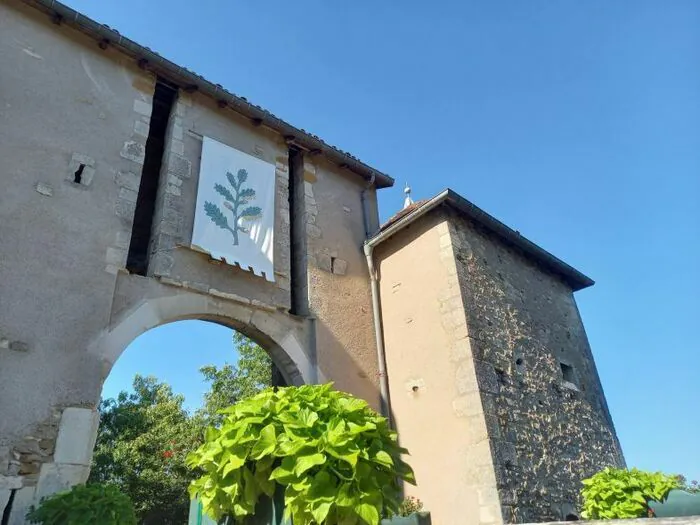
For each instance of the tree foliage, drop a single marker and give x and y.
(620, 493)
(85, 505)
(144, 436)
(338, 460)
(692, 486)
(141, 447)
(233, 383)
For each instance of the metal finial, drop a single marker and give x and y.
(408, 200)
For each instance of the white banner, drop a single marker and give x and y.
(235, 215)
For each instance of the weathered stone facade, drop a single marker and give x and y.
(489, 364)
(547, 428)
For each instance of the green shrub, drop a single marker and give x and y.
(338, 460)
(620, 493)
(85, 505)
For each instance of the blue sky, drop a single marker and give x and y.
(575, 122)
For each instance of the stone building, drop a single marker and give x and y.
(492, 382)
(101, 141)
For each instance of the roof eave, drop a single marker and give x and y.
(148, 59)
(571, 276)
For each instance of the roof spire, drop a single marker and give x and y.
(408, 200)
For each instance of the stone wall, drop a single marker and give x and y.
(64, 103)
(549, 425)
(433, 386)
(339, 288)
(686, 520)
(73, 157)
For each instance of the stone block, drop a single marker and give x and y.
(489, 514)
(141, 128)
(128, 195)
(4, 498)
(10, 482)
(115, 256)
(79, 158)
(4, 460)
(177, 131)
(313, 231)
(19, 346)
(127, 180)
(468, 405)
(465, 379)
(143, 108)
(179, 166)
(340, 266)
(173, 190)
(323, 261)
(505, 453)
(76, 436)
(134, 151)
(162, 264)
(122, 239)
(44, 189)
(177, 147)
(58, 477)
(24, 498)
(488, 379)
(488, 496)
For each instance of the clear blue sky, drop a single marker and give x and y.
(576, 122)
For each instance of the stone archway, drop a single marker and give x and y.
(285, 338)
(145, 304)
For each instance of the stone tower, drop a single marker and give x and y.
(492, 382)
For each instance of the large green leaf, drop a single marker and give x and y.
(304, 463)
(266, 443)
(368, 513)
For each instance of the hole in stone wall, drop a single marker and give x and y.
(163, 100)
(501, 375)
(568, 372)
(519, 361)
(332, 264)
(299, 293)
(571, 517)
(78, 175)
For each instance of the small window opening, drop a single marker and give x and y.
(332, 264)
(501, 375)
(78, 175)
(568, 372)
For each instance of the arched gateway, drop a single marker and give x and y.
(136, 193)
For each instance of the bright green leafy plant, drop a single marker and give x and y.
(85, 505)
(337, 459)
(621, 493)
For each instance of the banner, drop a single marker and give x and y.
(235, 215)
